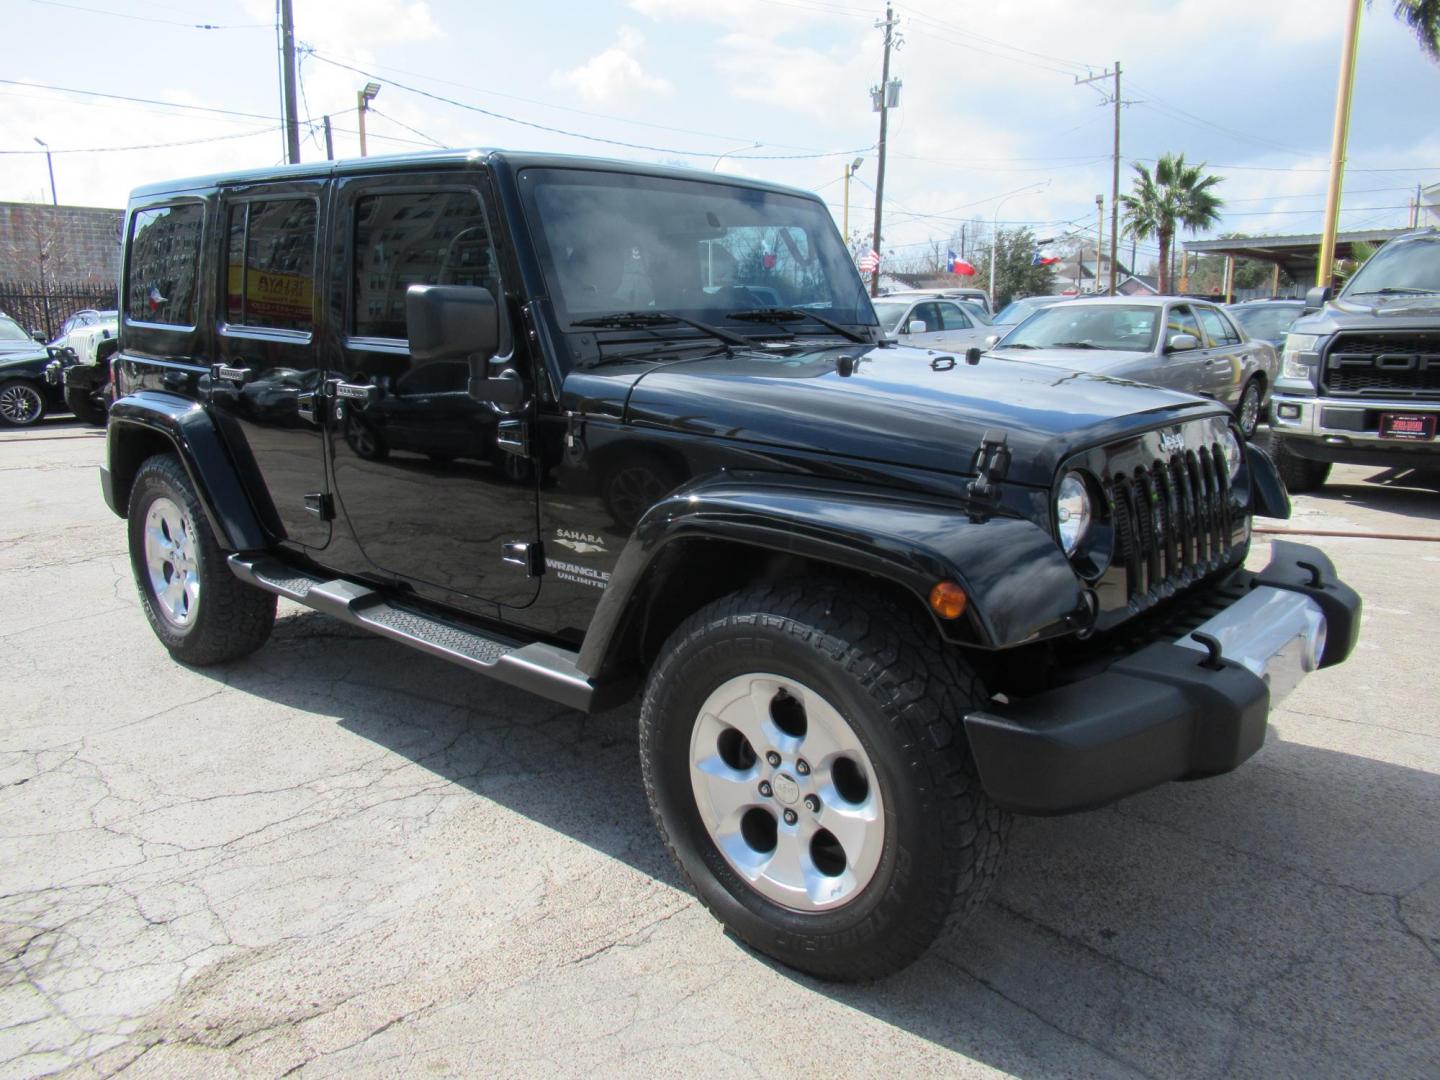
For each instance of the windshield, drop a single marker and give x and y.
(1268, 322)
(618, 242)
(1122, 327)
(1408, 266)
(890, 313)
(10, 330)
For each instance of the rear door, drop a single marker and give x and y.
(264, 387)
(423, 485)
(1225, 355)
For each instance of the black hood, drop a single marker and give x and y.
(902, 406)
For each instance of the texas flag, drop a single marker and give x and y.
(1044, 258)
(958, 265)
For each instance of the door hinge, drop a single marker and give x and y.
(321, 504)
(529, 554)
(513, 436)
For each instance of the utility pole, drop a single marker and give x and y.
(287, 78)
(1099, 240)
(882, 101)
(1344, 92)
(1414, 215)
(1114, 172)
(329, 142)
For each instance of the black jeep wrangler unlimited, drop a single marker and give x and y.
(1360, 377)
(587, 427)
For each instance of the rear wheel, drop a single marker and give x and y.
(199, 610)
(21, 403)
(82, 403)
(805, 763)
(1300, 474)
(1247, 411)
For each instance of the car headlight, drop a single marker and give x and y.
(1072, 511)
(1294, 361)
(1234, 453)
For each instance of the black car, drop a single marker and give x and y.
(25, 393)
(523, 413)
(1267, 320)
(1360, 375)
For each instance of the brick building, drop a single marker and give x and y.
(71, 244)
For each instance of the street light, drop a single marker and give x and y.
(50, 164)
(362, 105)
(850, 170)
(995, 228)
(722, 157)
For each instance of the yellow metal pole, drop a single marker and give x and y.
(1343, 95)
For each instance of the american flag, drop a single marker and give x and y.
(869, 262)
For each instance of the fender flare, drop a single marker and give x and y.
(1270, 498)
(196, 441)
(1020, 586)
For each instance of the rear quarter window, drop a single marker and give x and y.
(162, 257)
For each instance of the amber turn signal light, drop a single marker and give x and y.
(948, 600)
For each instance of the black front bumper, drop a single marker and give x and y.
(1164, 712)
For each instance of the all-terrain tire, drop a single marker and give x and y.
(1300, 474)
(903, 694)
(226, 619)
(86, 409)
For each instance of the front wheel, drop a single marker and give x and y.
(87, 409)
(21, 404)
(198, 609)
(1247, 410)
(804, 759)
(1300, 474)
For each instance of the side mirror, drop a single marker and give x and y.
(991, 340)
(39, 337)
(1182, 343)
(1317, 297)
(916, 326)
(451, 322)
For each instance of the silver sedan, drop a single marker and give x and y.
(1168, 341)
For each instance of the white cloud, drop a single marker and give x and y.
(614, 74)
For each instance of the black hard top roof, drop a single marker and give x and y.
(446, 158)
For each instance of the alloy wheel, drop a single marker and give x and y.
(20, 404)
(170, 562)
(787, 792)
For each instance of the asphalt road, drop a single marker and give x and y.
(340, 857)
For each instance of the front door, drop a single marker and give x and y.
(425, 489)
(1185, 369)
(264, 388)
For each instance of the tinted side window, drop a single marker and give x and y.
(952, 318)
(161, 262)
(1217, 329)
(415, 238)
(270, 264)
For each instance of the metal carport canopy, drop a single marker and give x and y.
(1297, 254)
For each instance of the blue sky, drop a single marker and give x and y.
(989, 105)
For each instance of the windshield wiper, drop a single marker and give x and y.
(645, 320)
(1388, 291)
(1014, 345)
(785, 314)
(1072, 345)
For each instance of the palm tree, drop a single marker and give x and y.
(1423, 17)
(1177, 196)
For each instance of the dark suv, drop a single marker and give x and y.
(1360, 376)
(523, 413)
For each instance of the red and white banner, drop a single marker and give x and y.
(869, 262)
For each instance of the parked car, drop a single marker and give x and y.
(877, 599)
(1181, 344)
(930, 322)
(979, 297)
(1017, 311)
(1266, 320)
(1360, 375)
(25, 395)
(81, 363)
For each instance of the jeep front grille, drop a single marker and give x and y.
(1402, 364)
(1172, 521)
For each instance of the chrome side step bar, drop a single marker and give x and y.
(537, 667)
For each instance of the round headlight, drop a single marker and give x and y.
(1234, 453)
(1072, 511)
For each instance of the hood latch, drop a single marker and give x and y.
(992, 462)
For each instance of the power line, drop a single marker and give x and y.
(151, 19)
(576, 134)
(151, 146)
(140, 100)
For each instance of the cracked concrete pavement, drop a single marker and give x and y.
(339, 857)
